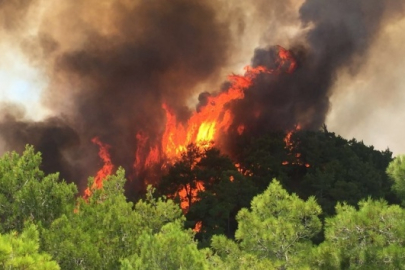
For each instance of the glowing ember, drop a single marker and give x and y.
(287, 139)
(285, 57)
(290, 147)
(105, 171)
(240, 129)
(197, 227)
(188, 195)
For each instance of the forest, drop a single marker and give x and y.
(312, 201)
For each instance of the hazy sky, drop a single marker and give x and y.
(21, 83)
(375, 96)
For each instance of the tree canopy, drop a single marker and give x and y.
(396, 171)
(26, 193)
(213, 212)
(21, 251)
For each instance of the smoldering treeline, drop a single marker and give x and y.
(112, 65)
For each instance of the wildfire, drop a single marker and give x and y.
(188, 195)
(290, 147)
(287, 138)
(202, 128)
(197, 226)
(105, 171)
(207, 124)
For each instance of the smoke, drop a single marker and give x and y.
(111, 65)
(110, 76)
(51, 137)
(378, 88)
(14, 13)
(338, 37)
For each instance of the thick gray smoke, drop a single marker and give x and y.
(340, 35)
(115, 81)
(112, 65)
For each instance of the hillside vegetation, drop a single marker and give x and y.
(317, 202)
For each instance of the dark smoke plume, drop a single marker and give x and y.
(53, 137)
(157, 51)
(341, 33)
(111, 66)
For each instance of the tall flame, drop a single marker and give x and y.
(203, 127)
(287, 138)
(105, 171)
(207, 123)
(289, 145)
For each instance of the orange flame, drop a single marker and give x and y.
(287, 138)
(197, 227)
(289, 146)
(144, 157)
(207, 124)
(240, 129)
(285, 57)
(204, 125)
(189, 195)
(105, 171)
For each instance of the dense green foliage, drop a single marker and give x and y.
(90, 237)
(372, 237)
(20, 251)
(278, 227)
(396, 170)
(27, 194)
(341, 170)
(170, 248)
(326, 186)
(338, 170)
(217, 205)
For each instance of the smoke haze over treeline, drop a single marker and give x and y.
(110, 64)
